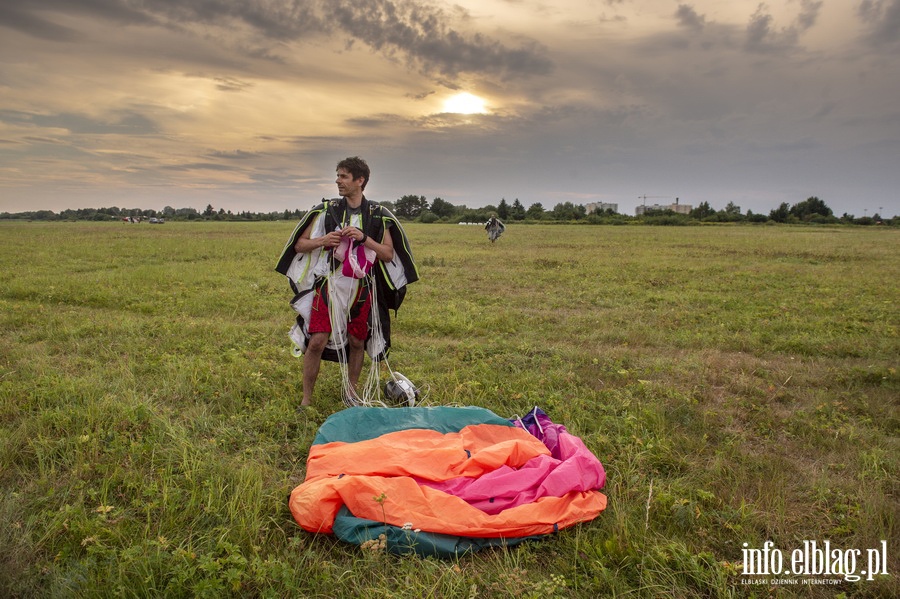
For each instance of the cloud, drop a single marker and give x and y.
(688, 17)
(421, 95)
(231, 84)
(41, 140)
(14, 17)
(809, 14)
(236, 155)
(126, 123)
(423, 37)
(763, 37)
(883, 20)
(210, 166)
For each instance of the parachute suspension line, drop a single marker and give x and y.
(536, 421)
(371, 389)
(406, 392)
(336, 312)
(371, 395)
(340, 339)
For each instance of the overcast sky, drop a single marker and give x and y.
(249, 104)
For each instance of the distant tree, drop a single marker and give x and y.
(427, 216)
(808, 208)
(780, 214)
(568, 211)
(703, 210)
(472, 215)
(535, 211)
(517, 212)
(730, 213)
(410, 206)
(188, 213)
(503, 209)
(442, 208)
(210, 211)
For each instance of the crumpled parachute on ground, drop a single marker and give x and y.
(445, 481)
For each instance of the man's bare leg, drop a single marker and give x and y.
(312, 359)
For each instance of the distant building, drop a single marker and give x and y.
(677, 208)
(600, 207)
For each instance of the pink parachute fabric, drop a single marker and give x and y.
(357, 259)
(570, 467)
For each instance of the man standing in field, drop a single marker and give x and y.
(348, 262)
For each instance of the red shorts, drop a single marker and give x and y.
(320, 322)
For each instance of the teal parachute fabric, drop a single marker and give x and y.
(355, 425)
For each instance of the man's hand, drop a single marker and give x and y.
(353, 233)
(331, 240)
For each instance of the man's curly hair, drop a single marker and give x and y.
(357, 167)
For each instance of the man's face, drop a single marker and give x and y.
(347, 185)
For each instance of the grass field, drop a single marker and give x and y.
(739, 384)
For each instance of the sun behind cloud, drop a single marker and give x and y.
(465, 103)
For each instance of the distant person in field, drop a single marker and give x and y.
(494, 228)
(348, 261)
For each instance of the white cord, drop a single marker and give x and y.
(371, 388)
(538, 424)
(338, 332)
(339, 325)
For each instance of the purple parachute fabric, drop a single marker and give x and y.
(570, 467)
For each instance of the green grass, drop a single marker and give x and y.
(739, 384)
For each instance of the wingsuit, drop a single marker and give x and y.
(494, 228)
(309, 271)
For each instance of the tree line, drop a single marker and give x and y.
(139, 214)
(419, 209)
